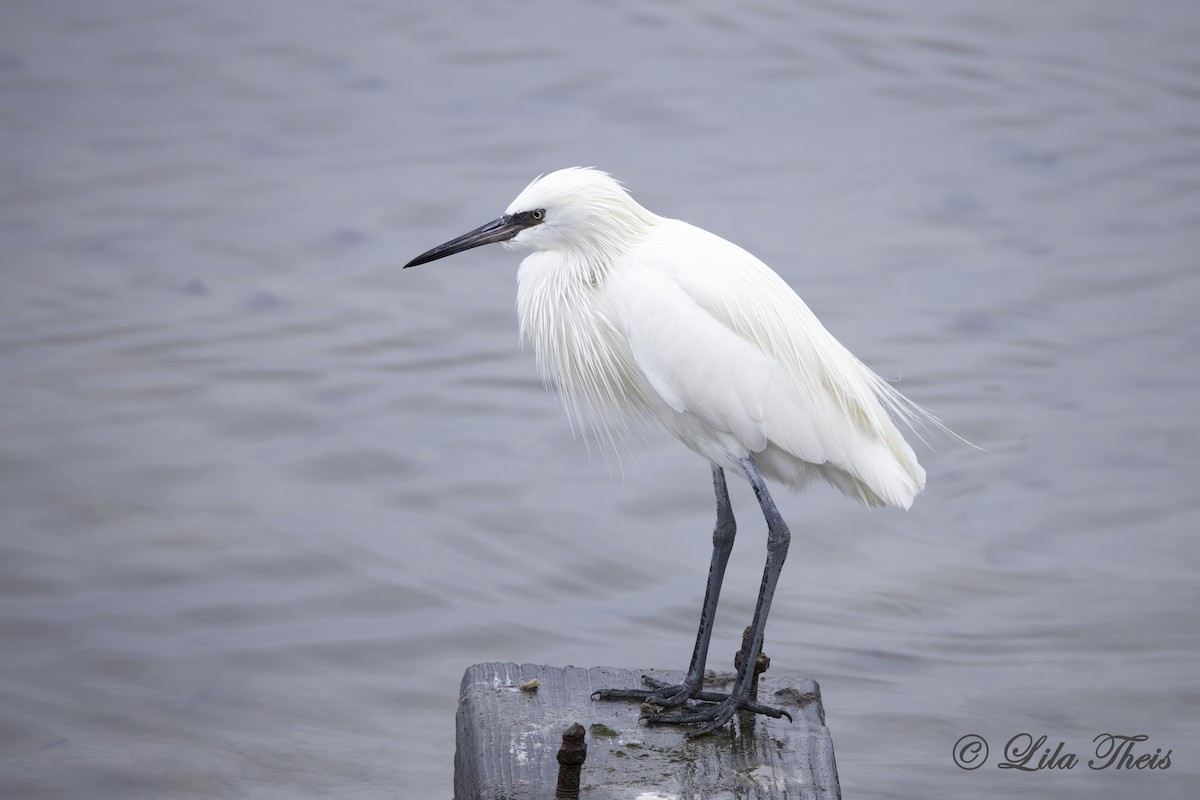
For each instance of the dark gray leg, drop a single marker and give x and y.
(778, 538)
(723, 534)
(667, 695)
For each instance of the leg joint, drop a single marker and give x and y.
(724, 531)
(778, 537)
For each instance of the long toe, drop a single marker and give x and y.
(669, 696)
(622, 694)
(666, 697)
(712, 717)
(715, 715)
(660, 693)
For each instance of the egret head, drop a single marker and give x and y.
(577, 209)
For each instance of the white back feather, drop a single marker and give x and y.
(633, 314)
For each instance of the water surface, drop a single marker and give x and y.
(264, 496)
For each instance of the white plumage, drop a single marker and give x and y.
(631, 312)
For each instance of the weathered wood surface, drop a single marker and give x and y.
(508, 740)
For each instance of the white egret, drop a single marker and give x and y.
(634, 313)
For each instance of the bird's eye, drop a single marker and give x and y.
(538, 215)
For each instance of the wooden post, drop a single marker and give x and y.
(509, 738)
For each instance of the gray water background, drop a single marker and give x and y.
(264, 496)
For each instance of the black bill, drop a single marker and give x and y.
(498, 230)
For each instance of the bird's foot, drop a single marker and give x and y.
(714, 715)
(713, 709)
(660, 693)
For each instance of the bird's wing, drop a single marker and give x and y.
(721, 336)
